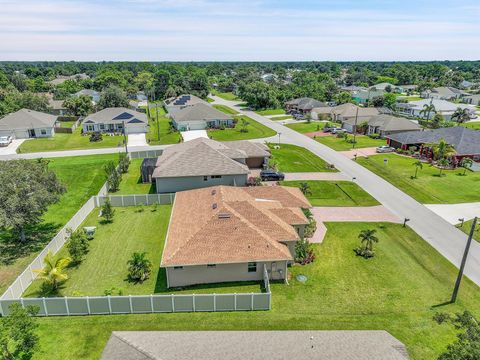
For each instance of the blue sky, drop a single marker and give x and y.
(257, 30)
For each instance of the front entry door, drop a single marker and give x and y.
(31, 133)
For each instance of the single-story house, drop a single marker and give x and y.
(385, 86)
(409, 88)
(114, 120)
(465, 141)
(444, 93)
(353, 88)
(200, 116)
(204, 162)
(364, 96)
(175, 104)
(465, 84)
(25, 123)
(95, 95)
(303, 105)
(254, 345)
(384, 124)
(443, 107)
(348, 114)
(472, 99)
(62, 78)
(56, 107)
(225, 233)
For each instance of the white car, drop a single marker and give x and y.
(385, 149)
(338, 131)
(5, 140)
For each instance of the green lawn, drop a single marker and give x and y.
(168, 135)
(73, 141)
(467, 225)
(428, 188)
(305, 127)
(335, 193)
(410, 98)
(339, 144)
(83, 176)
(225, 109)
(132, 181)
(472, 125)
(271, 112)
(255, 130)
(276, 118)
(292, 158)
(134, 229)
(67, 124)
(225, 95)
(396, 291)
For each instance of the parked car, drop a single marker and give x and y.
(385, 149)
(328, 129)
(272, 175)
(338, 131)
(5, 140)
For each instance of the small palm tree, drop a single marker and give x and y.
(461, 115)
(244, 124)
(139, 267)
(443, 163)
(368, 238)
(305, 188)
(53, 272)
(418, 165)
(466, 163)
(427, 110)
(442, 150)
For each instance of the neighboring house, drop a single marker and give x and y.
(112, 120)
(25, 123)
(465, 141)
(444, 93)
(348, 114)
(62, 78)
(56, 107)
(409, 88)
(254, 345)
(268, 77)
(200, 116)
(365, 96)
(472, 99)
(385, 85)
(140, 96)
(138, 105)
(95, 95)
(225, 234)
(443, 107)
(178, 103)
(353, 89)
(384, 125)
(466, 84)
(204, 162)
(303, 105)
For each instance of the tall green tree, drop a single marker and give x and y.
(461, 115)
(442, 150)
(466, 164)
(27, 189)
(79, 106)
(418, 165)
(112, 96)
(427, 110)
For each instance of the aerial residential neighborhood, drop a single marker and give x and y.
(209, 180)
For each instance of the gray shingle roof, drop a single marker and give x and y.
(465, 141)
(199, 112)
(306, 103)
(27, 119)
(254, 345)
(392, 123)
(116, 116)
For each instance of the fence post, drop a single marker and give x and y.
(251, 294)
(173, 303)
(109, 305)
(214, 302)
(130, 302)
(235, 301)
(171, 198)
(66, 305)
(21, 302)
(123, 204)
(1, 308)
(151, 303)
(88, 305)
(31, 271)
(193, 302)
(134, 199)
(21, 283)
(45, 306)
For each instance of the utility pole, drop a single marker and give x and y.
(125, 136)
(464, 260)
(158, 124)
(355, 129)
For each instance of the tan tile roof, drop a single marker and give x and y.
(224, 224)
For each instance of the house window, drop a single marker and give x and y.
(211, 265)
(252, 267)
(89, 127)
(205, 178)
(102, 127)
(216, 176)
(178, 268)
(43, 132)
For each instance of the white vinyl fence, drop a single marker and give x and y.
(136, 200)
(145, 154)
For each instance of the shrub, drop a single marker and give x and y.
(374, 136)
(95, 137)
(113, 176)
(254, 181)
(123, 162)
(303, 252)
(78, 245)
(139, 267)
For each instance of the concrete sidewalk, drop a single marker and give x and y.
(453, 212)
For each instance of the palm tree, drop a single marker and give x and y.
(427, 110)
(442, 149)
(53, 273)
(368, 237)
(461, 115)
(305, 188)
(466, 163)
(418, 165)
(244, 124)
(442, 163)
(139, 267)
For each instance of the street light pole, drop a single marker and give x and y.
(464, 261)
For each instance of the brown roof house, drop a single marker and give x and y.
(223, 234)
(204, 162)
(25, 123)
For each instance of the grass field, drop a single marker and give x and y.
(285, 117)
(132, 181)
(472, 125)
(428, 188)
(225, 109)
(467, 225)
(305, 127)
(271, 112)
(396, 291)
(83, 176)
(292, 158)
(225, 95)
(167, 135)
(410, 98)
(73, 141)
(339, 144)
(335, 193)
(134, 229)
(67, 124)
(255, 130)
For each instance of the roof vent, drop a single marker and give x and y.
(214, 205)
(214, 192)
(224, 216)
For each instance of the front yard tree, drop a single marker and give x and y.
(18, 339)
(108, 211)
(466, 164)
(113, 96)
(442, 150)
(139, 267)
(305, 188)
(27, 189)
(461, 115)
(244, 125)
(367, 238)
(442, 164)
(53, 272)
(418, 165)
